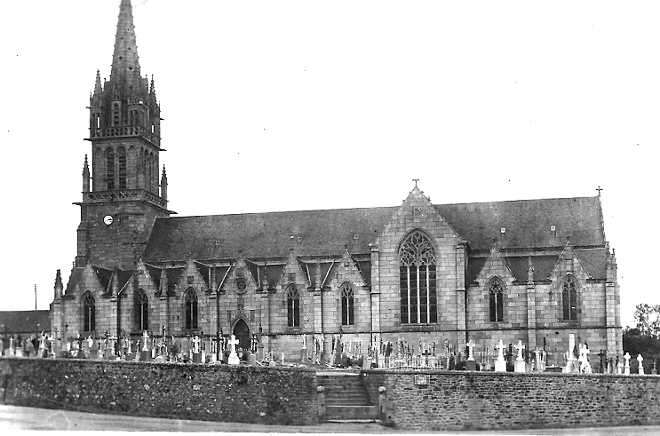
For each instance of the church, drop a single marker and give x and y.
(530, 270)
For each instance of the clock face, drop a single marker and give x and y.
(108, 220)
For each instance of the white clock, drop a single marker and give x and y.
(108, 219)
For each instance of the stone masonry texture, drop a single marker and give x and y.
(488, 401)
(165, 390)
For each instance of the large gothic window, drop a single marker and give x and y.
(347, 304)
(569, 299)
(89, 312)
(121, 157)
(496, 296)
(190, 303)
(417, 280)
(292, 306)
(141, 306)
(110, 168)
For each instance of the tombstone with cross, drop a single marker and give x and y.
(233, 357)
(500, 363)
(640, 359)
(519, 364)
(626, 366)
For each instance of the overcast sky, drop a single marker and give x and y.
(289, 105)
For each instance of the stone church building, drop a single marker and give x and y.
(530, 270)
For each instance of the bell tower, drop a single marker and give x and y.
(121, 195)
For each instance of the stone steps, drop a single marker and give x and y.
(346, 398)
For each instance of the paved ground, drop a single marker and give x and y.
(32, 419)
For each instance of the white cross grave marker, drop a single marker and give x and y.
(626, 366)
(233, 357)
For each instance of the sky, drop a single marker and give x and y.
(293, 105)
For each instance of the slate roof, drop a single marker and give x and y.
(326, 232)
(17, 322)
(527, 222)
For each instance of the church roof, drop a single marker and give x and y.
(16, 322)
(527, 224)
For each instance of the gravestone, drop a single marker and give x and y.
(196, 351)
(470, 364)
(500, 363)
(519, 364)
(626, 366)
(233, 357)
(640, 359)
(145, 354)
(571, 363)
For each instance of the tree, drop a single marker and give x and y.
(644, 338)
(647, 317)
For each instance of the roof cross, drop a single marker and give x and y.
(415, 180)
(599, 189)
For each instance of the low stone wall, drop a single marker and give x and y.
(488, 400)
(168, 390)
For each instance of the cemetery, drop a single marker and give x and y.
(409, 386)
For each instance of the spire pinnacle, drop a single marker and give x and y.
(125, 61)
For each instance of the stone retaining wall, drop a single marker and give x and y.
(488, 400)
(166, 390)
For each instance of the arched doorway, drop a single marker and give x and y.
(242, 333)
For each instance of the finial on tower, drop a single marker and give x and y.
(599, 189)
(415, 180)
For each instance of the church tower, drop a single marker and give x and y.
(121, 195)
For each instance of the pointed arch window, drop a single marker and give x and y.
(496, 297)
(569, 299)
(190, 303)
(121, 157)
(292, 306)
(417, 272)
(141, 306)
(347, 304)
(110, 168)
(89, 312)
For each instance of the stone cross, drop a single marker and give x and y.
(626, 366)
(145, 341)
(520, 347)
(196, 342)
(641, 367)
(470, 346)
(233, 357)
(500, 351)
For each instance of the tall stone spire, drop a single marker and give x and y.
(125, 60)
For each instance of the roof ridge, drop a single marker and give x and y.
(273, 212)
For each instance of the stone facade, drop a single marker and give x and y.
(288, 278)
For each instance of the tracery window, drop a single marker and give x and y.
(569, 299)
(190, 304)
(121, 157)
(110, 168)
(141, 306)
(292, 306)
(418, 280)
(496, 295)
(89, 312)
(347, 304)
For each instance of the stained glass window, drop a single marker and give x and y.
(418, 280)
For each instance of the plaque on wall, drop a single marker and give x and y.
(422, 379)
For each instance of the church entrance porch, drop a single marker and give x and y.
(242, 332)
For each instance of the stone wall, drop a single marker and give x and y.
(474, 400)
(200, 392)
